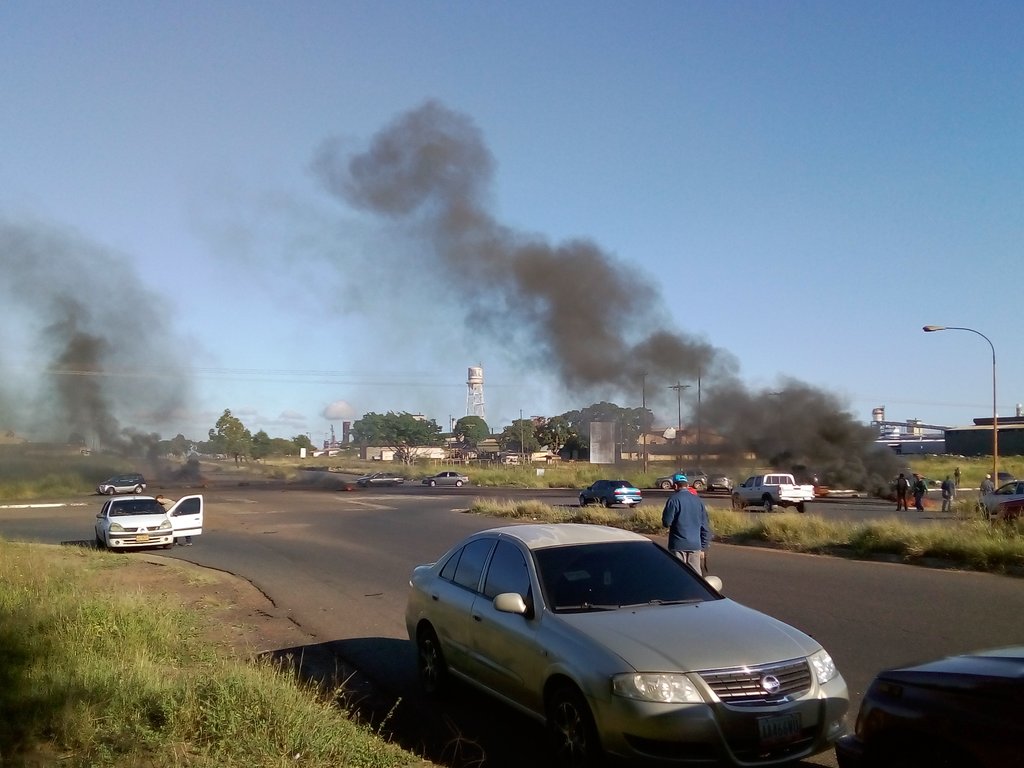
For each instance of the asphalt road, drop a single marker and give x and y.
(338, 563)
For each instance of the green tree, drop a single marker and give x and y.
(554, 433)
(303, 441)
(400, 432)
(231, 437)
(261, 445)
(281, 446)
(470, 430)
(179, 445)
(519, 437)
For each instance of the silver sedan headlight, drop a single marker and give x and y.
(116, 528)
(659, 687)
(824, 667)
(165, 525)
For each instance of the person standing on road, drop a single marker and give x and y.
(689, 529)
(948, 492)
(987, 486)
(902, 487)
(956, 479)
(920, 489)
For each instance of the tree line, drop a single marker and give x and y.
(403, 432)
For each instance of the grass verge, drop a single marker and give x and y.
(98, 677)
(966, 542)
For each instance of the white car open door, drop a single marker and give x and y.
(187, 516)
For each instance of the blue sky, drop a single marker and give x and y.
(802, 185)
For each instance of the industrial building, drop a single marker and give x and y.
(913, 437)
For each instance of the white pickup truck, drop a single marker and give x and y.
(770, 491)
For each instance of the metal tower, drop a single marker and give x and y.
(475, 392)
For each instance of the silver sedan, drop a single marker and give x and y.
(447, 478)
(621, 649)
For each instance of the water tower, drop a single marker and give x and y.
(475, 392)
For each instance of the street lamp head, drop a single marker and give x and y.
(932, 328)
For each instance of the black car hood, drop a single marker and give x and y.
(997, 673)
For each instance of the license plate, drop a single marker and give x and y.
(142, 537)
(780, 729)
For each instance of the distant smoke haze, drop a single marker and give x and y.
(571, 307)
(93, 347)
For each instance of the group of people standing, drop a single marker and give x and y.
(905, 486)
(918, 488)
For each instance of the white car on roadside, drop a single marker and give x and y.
(1008, 495)
(141, 521)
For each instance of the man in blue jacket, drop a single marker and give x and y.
(689, 529)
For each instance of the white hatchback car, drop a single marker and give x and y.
(622, 649)
(141, 521)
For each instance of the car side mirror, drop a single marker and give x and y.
(510, 602)
(714, 582)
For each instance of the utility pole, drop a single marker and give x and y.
(698, 420)
(643, 416)
(522, 437)
(679, 408)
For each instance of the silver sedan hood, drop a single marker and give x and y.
(687, 638)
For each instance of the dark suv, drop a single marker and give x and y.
(130, 483)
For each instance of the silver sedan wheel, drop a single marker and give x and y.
(430, 664)
(571, 728)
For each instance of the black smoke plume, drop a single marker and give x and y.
(87, 346)
(593, 320)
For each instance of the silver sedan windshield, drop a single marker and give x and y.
(613, 575)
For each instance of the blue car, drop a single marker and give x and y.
(611, 492)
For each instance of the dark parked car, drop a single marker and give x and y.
(130, 483)
(957, 712)
(611, 492)
(380, 478)
(697, 478)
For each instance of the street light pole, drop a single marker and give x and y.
(995, 417)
